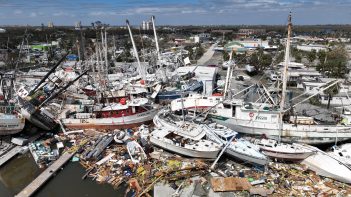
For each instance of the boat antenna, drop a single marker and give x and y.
(156, 41)
(140, 68)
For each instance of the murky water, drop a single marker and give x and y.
(20, 171)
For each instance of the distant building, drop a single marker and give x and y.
(78, 25)
(146, 25)
(253, 43)
(311, 47)
(2, 30)
(235, 46)
(50, 25)
(202, 37)
(252, 31)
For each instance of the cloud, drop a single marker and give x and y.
(61, 13)
(175, 11)
(33, 14)
(17, 12)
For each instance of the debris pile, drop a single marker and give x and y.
(164, 170)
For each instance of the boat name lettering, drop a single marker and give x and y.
(261, 118)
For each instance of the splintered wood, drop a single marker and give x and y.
(220, 184)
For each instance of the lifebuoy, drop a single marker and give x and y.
(251, 114)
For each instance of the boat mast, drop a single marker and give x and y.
(285, 72)
(227, 79)
(156, 41)
(286, 65)
(140, 69)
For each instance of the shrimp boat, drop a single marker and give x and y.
(239, 148)
(328, 166)
(283, 151)
(11, 122)
(182, 137)
(272, 119)
(32, 100)
(122, 115)
(136, 152)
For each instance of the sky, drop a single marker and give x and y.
(175, 12)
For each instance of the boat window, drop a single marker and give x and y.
(341, 154)
(226, 105)
(233, 111)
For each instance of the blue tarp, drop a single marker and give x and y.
(72, 57)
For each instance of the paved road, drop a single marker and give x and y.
(207, 55)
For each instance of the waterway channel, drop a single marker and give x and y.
(21, 170)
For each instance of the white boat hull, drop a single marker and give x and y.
(110, 123)
(308, 134)
(327, 166)
(286, 156)
(184, 151)
(244, 157)
(10, 124)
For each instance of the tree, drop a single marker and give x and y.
(335, 64)
(266, 61)
(260, 60)
(225, 56)
(254, 60)
(298, 57)
(311, 56)
(280, 57)
(321, 54)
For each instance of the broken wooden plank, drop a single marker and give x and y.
(220, 184)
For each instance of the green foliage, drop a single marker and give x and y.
(225, 56)
(315, 101)
(311, 56)
(321, 55)
(335, 64)
(333, 90)
(260, 60)
(298, 57)
(280, 57)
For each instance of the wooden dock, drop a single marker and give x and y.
(13, 152)
(46, 175)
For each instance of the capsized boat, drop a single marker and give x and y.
(33, 99)
(182, 137)
(342, 153)
(283, 151)
(136, 152)
(239, 148)
(325, 165)
(175, 142)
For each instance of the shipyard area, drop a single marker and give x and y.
(157, 110)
